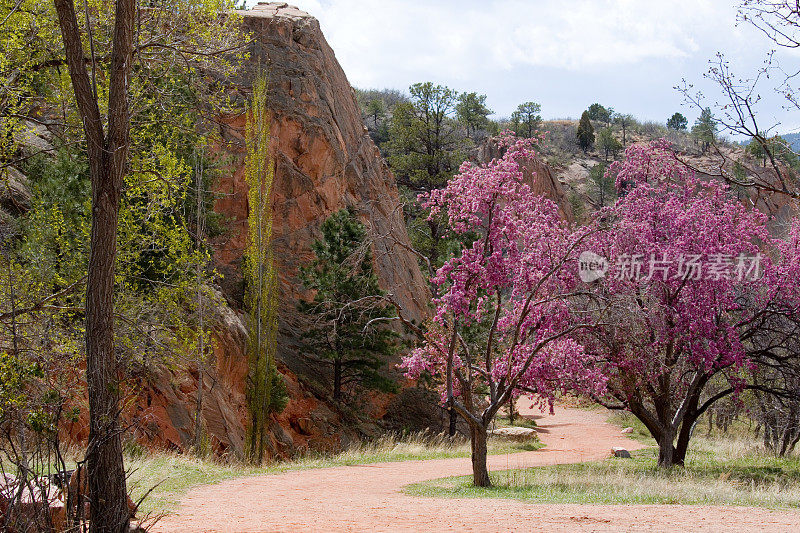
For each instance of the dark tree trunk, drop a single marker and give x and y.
(337, 380)
(433, 252)
(480, 472)
(666, 450)
(453, 421)
(685, 434)
(107, 156)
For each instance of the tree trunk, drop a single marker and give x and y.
(107, 156)
(109, 509)
(480, 472)
(453, 421)
(337, 379)
(666, 450)
(433, 252)
(682, 446)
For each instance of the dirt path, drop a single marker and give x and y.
(369, 497)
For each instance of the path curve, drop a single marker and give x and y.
(370, 498)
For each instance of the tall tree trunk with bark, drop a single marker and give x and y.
(453, 426)
(480, 471)
(107, 155)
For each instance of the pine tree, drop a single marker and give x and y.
(608, 143)
(601, 185)
(348, 314)
(526, 119)
(677, 122)
(600, 113)
(705, 129)
(585, 132)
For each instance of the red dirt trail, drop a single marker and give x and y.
(370, 498)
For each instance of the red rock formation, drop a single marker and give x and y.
(324, 161)
(538, 175)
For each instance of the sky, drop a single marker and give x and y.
(565, 55)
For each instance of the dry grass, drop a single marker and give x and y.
(730, 470)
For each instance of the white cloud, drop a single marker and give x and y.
(450, 38)
(564, 54)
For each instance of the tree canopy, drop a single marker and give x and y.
(585, 132)
(677, 122)
(348, 314)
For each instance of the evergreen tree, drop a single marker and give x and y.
(426, 147)
(376, 110)
(677, 122)
(608, 143)
(601, 185)
(776, 148)
(705, 129)
(526, 119)
(585, 132)
(348, 314)
(472, 112)
(600, 113)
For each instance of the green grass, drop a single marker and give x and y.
(173, 475)
(719, 471)
(502, 421)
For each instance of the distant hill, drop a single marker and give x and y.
(793, 139)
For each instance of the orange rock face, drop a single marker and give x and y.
(537, 173)
(324, 161)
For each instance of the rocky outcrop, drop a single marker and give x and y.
(537, 174)
(324, 161)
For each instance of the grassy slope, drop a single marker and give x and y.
(719, 471)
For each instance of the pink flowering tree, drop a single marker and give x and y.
(504, 314)
(694, 278)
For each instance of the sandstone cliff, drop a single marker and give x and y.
(537, 174)
(324, 161)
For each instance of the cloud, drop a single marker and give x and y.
(456, 39)
(564, 54)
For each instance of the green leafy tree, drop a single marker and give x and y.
(526, 119)
(472, 112)
(426, 147)
(585, 132)
(775, 147)
(105, 70)
(376, 110)
(705, 129)
(601, 185)
(348, 313)
(625, 122)
(608, 143)
(265, 391)
(677, 122)
(600, 113)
